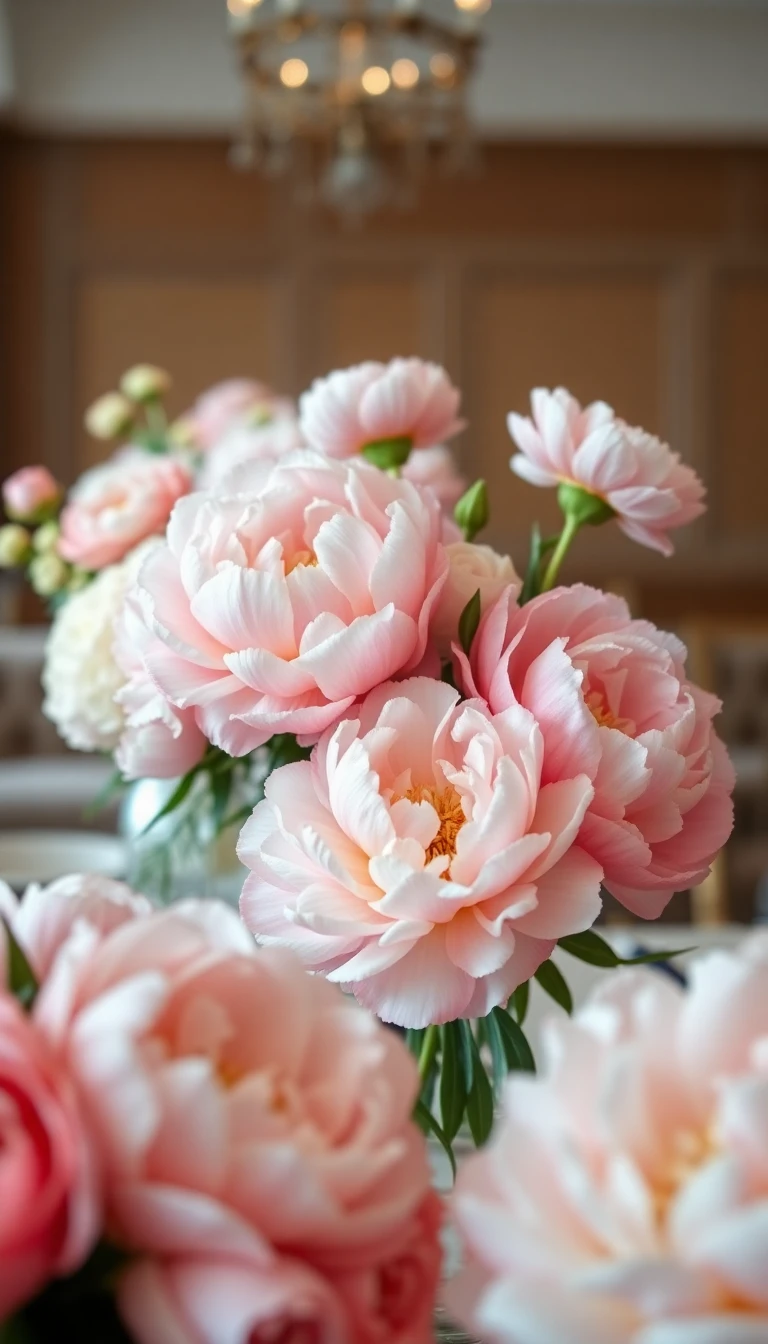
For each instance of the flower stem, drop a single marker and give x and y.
(572, 525)
(428, 1051)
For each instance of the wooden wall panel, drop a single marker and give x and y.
(741, 464)
(599, 334)
(201, 330)
(371, 316)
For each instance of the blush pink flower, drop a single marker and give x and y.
(473, 568)
(49, 1208)
(404, 399)
(29, 493)
(157, 741)
(227, 465)
(624, 1196)
(116, 505)
(233, 402)
(638, 475)
(273, 612)
(419, 859)
(253, 1127)
(612, 701)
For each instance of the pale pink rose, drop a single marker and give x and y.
(227, 465)
(29, 492)
(246, 1112)
(435, 469)
(116, 505)
(49, 1209)
(157, 741)
(624, 1196)
(204, 1301)
(406, 398)
(612, 700)
(232, 402)
(419, 859)
(638, 475)
(43, 919)
(272, 612)
(473, 568)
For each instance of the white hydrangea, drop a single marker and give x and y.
(80, 675)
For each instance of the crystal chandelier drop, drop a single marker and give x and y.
(353, 101)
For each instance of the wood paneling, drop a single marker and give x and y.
(636, 274)
(204, 330)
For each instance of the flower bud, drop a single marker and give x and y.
(109, 416)
(48, 574)
(472, 512)
(46, 538)
(31, 494)
(582, 506)
(14, 546)
(145, 382)
(389, 454)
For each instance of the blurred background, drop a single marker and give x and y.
(611, 235)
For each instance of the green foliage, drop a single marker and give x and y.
(540, 548)
(590, 947)
(472, 511)
(21, 978)
(469, 621)
(553, 983)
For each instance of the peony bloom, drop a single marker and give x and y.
(233, 402)
(43, 919)
(624, 1197)
(157, 741)
(227, 465)
(272, 612)
(419, 859)
(49, 1214)
(612, 701)
(116, 505)
(642, 480)
(473, 568)
(80, 675)
(435, 469)
(29, 493)
(254, 1131)
(405, 399)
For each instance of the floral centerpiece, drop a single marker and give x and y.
(439, 766)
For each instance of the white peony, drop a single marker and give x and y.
(80, 674)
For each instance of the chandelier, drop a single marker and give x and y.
(353, 102)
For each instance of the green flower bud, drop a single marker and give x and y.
(472, 511)
(389, 454)
(14, 546)
(48, 574)
(145, 382)
(46, 538)
(109, 416)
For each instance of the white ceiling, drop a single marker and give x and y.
(607, 68)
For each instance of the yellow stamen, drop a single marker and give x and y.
(447, 805)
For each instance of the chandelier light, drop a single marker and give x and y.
(353, 102)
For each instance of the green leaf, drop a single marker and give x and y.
(428, 1125)
(468, 1052)
(653, 958)
(21, 978)
(389, 454)
(590, 947)
(480, 1103)
(176, 799)
(516, 1047)
(539, 549)
(221, 789)
(453, 1092)
(519, 1002)
(498, 1053)
(553, 983)
(469, 621)
(472, 511)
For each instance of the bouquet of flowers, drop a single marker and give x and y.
(448, 763)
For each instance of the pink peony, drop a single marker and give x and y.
(407, 398)
(116, 505)
(157, 741)
(642, 480)
(29, 493)
(473, 568)
(624, 1197)
(228, 462)
(419, 859)
(49, 1214)
(230, 403)
(254, 1130)
(612, 701)
(273, 612)
(435, 469)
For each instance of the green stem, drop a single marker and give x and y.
(572, 525)
(428, 1051)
